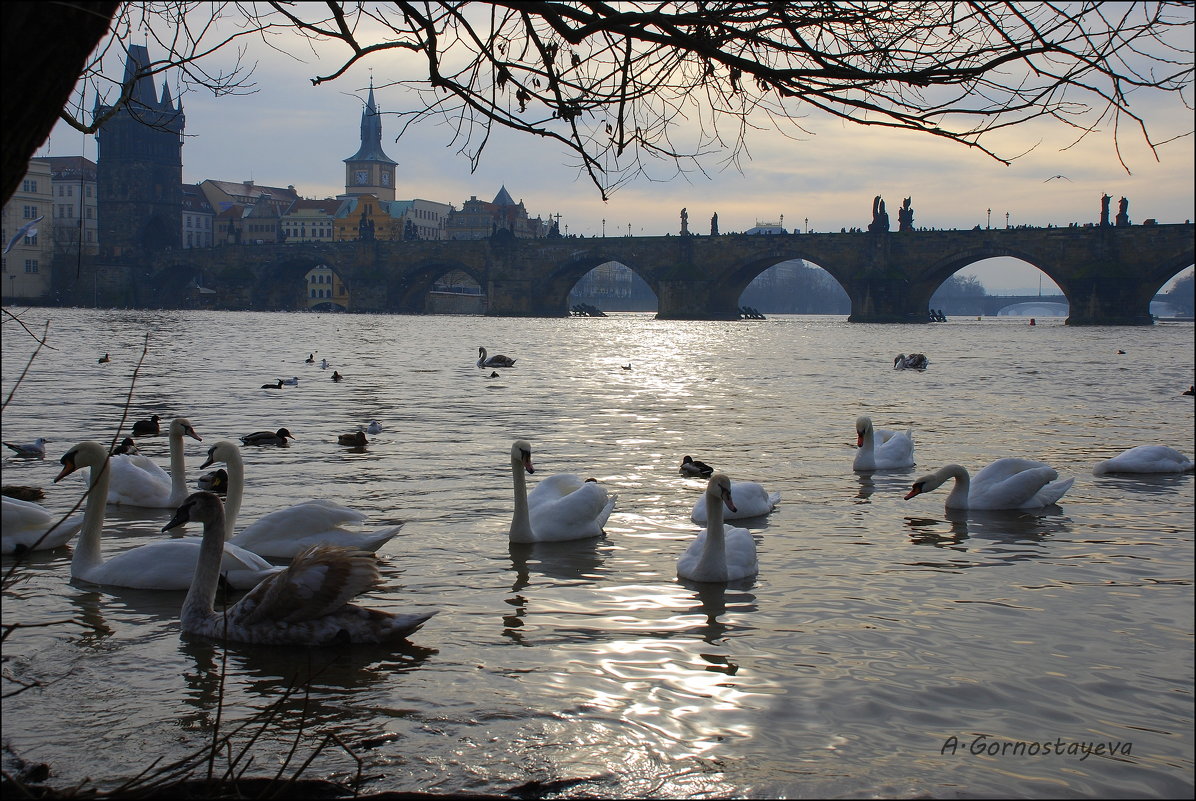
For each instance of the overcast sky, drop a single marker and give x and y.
(292, 133)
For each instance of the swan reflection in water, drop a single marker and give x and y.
(1001, 535)
(294, 680)
(562, 563)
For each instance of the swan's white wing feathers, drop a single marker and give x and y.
(137, 480)
(24, 523)
(1146, 459)
(750, 498)
(1014, 483)
(170, 565)
(575, 515)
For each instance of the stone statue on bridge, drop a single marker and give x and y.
(1123, 212)
(1104, 211)
(905, 216)
(684, 222)
(714, 224)
(880, 217)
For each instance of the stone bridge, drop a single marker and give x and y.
(1109, 274)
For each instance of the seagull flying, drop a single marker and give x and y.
(28, 229)
(1053, 177)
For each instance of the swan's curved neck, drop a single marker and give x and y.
(201, 595)
(958, 498)
(87, 549)
(521, 524)
(714, 554)
(178, 469)
(868, 444)
(235, 467)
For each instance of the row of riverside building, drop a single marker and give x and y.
(132, 200)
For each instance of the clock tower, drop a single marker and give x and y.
(369, 171)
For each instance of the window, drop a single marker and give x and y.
(90, 212)
(30, 212)
(89, 191)
(30, 265)
(32, 241)
(29, 185)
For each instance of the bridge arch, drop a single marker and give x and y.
(613, 286)
(566, 275)
(409, 293)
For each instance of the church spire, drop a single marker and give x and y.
(371, 133)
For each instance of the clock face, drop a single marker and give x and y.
(361, 176)
(386, 179)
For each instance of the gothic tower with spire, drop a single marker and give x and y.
(369, 171)
(139, 167)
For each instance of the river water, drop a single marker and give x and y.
(885, 649)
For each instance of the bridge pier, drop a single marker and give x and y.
(1109, 301)
(885, 300)
(694, 300)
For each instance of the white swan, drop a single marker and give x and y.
(721, 552)
(751, 500)
(305, 604)
(137, 480)
(26, 527)
(1010, 483)
(880, 448)
(1146, 459)
(284, 533)
(497, 360)
(164, 565)
(561, 507)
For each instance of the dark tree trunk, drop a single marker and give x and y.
(46, 46)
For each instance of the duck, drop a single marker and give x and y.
(1146, 459)
(493, 374)
(494, 361)
(356, 439)
(29, 526)
(751, 500)
(293, 381)
(336, 376)
(311, 359)
(29, 450)
(215, 481)
(374, 427)
(137, 480)
(278, 437)
(1191, 390)
(283, 533)
(880, 448)
(626, 366)
(1008, 483)
(147, 428)
(273, 386)
(561, 507)
(163, 565)
(22, 492)
(306, 603)
(721, 553)
(692, 467)
(104, 359)
(126, 447)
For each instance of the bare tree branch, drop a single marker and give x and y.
(626, 87)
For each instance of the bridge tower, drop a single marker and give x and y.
(370, 171)
(139, 167)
